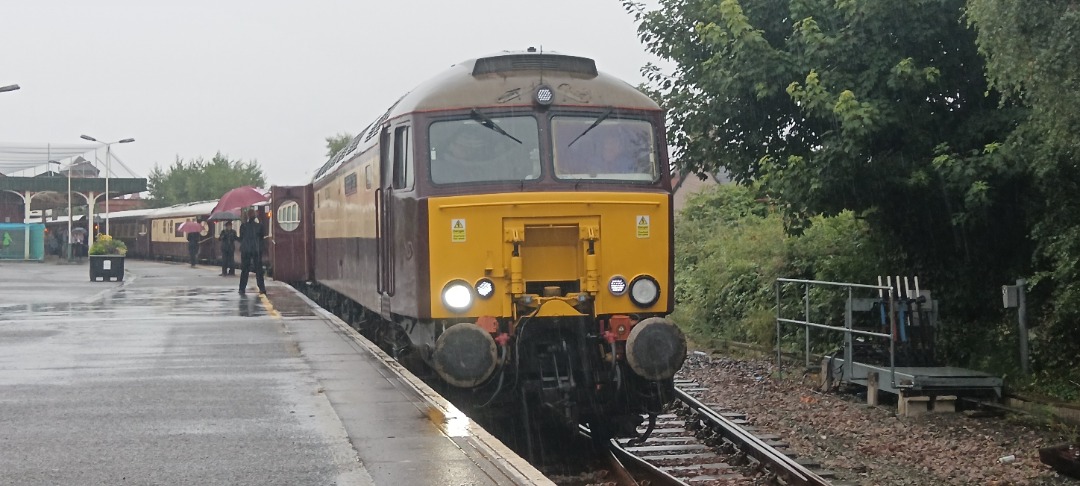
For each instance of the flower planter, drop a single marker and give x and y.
(106, 268)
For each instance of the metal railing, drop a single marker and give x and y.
(847, 329)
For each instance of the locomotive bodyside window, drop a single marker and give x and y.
(402, 159)
(615, 149)
(506, 149)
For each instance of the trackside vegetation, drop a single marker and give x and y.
(937, 138)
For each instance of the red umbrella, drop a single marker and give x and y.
(241, 197)
(190, 227)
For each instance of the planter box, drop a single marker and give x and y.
(106, 268)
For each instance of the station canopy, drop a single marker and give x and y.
(45, 167)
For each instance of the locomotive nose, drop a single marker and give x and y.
(656, 349)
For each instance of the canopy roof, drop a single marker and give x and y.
(15, 157)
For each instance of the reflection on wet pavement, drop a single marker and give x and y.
(134, 302)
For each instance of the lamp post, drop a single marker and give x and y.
(10, 87)
(108, 173)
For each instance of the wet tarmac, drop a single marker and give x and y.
(172, 377)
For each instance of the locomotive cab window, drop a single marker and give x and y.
(491, 149)
(614, 149)
(402, 177)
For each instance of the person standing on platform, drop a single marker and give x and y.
(193, 247)
(77, 244)
(251, 236)
(228, 240)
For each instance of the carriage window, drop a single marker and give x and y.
(468, 151)
(402, 159)
(616, 149)
(350, 184)
(288, 215)
(367, 177)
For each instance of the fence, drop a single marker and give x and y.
(886, 296)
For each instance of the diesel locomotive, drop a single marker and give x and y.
(509, 222)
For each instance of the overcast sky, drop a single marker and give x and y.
(264, 80)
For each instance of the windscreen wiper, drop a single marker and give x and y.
(489, 123)
(603, 116)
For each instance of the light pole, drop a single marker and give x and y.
(10, 87)
(108, 173)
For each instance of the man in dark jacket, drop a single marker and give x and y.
(193, 247)
(228, 246)
(251, 236)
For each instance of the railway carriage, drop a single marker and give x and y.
(510, 223)
(164, 241)
(132, 227)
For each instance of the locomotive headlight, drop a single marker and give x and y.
(617, 285)
(485, 288)
(644, 291)
(544, 95)
(457, 296)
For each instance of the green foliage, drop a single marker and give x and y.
(107, 245)
(1033, 59)
(335, 143)
(727, 254)
(880, 109)
(201, 180)
(730, 249)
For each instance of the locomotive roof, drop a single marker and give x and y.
(509, 78)
(505, 79)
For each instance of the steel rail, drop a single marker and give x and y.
(660, 477)
(616, 455)
(783, 466)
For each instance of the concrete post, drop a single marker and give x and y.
(1021, 312)
(872, 389)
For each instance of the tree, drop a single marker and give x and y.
(876, 107)
(201, 180)
(1033, 60)
(335, 143)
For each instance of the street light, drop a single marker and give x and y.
(108, 173)
(10, 87)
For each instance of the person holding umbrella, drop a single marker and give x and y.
(251, 236)
(193, 247)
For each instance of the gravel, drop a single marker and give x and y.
(872, 445)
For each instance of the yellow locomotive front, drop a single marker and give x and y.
(549, 246)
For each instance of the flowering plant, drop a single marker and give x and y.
(106, 245)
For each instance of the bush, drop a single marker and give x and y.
(106, 245)
(731, 248)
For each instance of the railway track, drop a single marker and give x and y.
(698, 445)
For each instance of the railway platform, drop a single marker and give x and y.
(171, 377)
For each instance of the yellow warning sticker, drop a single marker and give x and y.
(457, 230)
(642, 226)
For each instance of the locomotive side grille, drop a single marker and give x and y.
(535, 62)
